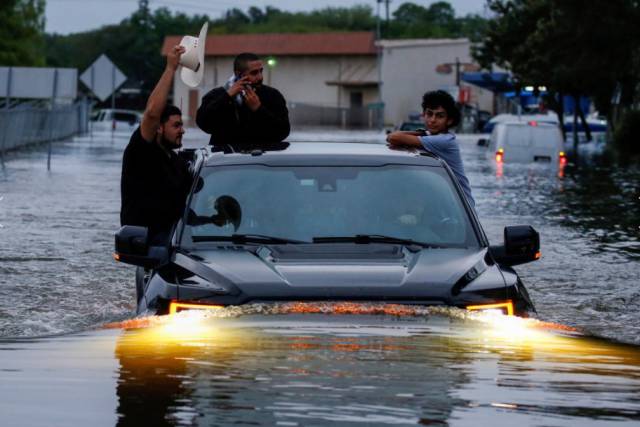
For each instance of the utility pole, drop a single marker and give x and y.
(378, 19)
(379, 58)
(386, 4)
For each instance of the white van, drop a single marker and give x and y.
(524, 142)
(115, 120)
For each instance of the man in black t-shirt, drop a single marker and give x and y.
(245, 112)
(155, 181)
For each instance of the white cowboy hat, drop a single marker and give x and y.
(192, 60)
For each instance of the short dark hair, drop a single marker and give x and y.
(169, 110)
(240, 61)
(440, 98)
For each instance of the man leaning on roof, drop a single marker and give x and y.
(244, 112)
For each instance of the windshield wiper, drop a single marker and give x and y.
(247, 238)
(373, 238)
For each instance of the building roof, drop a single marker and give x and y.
(390, 44)
(344, 43)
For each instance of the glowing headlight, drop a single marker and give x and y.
(502, 307)
(176, 306)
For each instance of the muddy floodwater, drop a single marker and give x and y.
(71, 356)
(317, 369)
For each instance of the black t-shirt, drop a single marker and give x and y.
(154, 185)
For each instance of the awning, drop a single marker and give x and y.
(495, 82)
(352, 83)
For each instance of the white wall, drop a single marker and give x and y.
(300, 79)
(409, 70)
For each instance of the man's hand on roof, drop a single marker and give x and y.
(173, 57)
(252, 99)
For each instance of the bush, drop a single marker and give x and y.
(626, 137)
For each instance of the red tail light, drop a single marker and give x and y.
(562, 158)
(499, 155)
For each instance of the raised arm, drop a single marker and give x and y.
(158, 98)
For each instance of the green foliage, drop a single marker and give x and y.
(21, 30)
(134, 44)
(627, 134)
(437, 20)
(571, 46)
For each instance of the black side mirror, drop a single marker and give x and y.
(521, 245)
(483, 142)
(132, 247)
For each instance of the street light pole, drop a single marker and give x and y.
(379, 64)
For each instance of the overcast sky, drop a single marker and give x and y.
(71, 16)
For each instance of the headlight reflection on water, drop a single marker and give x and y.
(328, 331)
(201, 325)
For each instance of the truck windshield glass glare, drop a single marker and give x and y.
(302, 203)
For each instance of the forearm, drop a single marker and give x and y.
(158, 98)
(155, 105)
(404, 139)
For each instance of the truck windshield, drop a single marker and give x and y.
(302, 203)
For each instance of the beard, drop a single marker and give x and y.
(171, 145)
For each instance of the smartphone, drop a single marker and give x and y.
(246, 85)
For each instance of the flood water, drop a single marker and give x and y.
(59, 288)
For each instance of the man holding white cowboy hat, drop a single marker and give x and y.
(155, 180)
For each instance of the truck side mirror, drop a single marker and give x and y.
(132, 247)
(521, 245)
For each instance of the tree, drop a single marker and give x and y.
(410, 14)
(256, 14)
(442, 14)
(436, 21)
(573, 47)
(21, 32)
(134, 44)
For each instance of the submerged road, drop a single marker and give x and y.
(57, 277)
(310, 370)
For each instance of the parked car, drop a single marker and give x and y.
(411, 126)
(327, 222)
(596, 124)
(115, 120)
(519, 142)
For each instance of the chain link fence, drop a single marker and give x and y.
(347, 118)
(24, 125)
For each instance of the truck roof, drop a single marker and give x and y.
(326, 154)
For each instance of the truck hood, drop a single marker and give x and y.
(338, 271)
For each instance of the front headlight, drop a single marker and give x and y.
(502, 307)
(177, 306)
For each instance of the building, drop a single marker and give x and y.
(334, 70)
(411, 67)
(333, 78)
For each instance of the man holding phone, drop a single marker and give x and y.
(245, 113)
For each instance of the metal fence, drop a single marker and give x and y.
(317, 115)
(23, 125)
